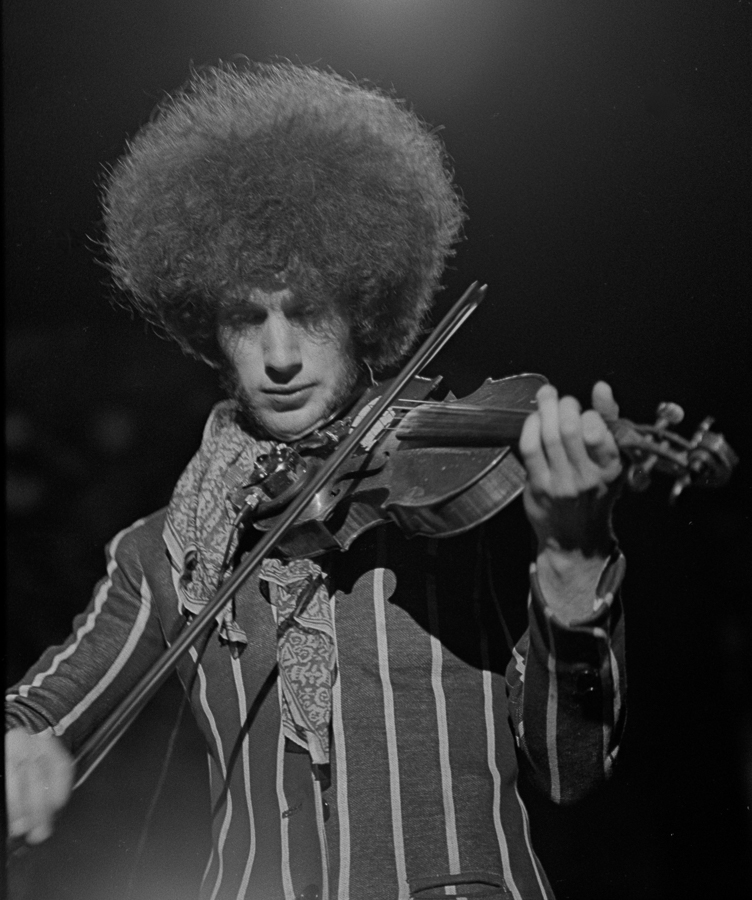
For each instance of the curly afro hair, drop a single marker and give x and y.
(255, 171)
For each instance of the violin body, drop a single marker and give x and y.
(432, 486)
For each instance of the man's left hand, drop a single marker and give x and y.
(573, 468)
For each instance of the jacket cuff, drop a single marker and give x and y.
(575, 641)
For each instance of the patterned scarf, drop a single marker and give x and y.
(200, 538)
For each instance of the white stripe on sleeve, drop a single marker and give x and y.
(88, 625)
(117, 666)
(552, 704)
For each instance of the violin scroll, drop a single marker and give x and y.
(705, 460)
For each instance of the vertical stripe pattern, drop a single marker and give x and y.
(340, 752)
(242, 710)
(219, 755)
(284, 826)
(117, 666)
(551, 719)
(89, 624)
(528, 843)
(323, 843)
(491, 757)
(423, 759)
(391, 734)
(450, 822)
(496, 776)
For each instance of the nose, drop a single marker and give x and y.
(282, 354)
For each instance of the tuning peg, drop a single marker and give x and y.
(669, 414)
(638, 475)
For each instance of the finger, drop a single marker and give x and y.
(532, 453)
(17, 793)
(604, 403)
(60, 776)
(39, 815)
(550, 433)
(599, 442)
(40, 833)
(570, 428)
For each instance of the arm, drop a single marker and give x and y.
(567, 692)
(63, 697)
(566, 678)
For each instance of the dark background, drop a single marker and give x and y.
(603, 150)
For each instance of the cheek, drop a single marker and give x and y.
(243, 360)
(338, 367)
(340, 356)
(249, 373)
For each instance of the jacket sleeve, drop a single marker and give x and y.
(75, 685)
(567, 691)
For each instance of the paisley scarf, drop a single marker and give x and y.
(200, 538)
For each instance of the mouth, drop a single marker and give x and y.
(289, 397)
(288, 390)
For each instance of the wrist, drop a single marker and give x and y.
(563, 560)
(580, 541)
(568, 580)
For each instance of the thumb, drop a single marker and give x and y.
(604, 403)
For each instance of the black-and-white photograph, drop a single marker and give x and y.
(377, 450)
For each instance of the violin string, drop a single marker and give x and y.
(414, 404)
(452, 406)
(448, 411)
(448, 420)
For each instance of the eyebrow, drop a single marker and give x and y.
(240, 307)
(237, 307)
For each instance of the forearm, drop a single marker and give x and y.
(112, 642)
(567, 691)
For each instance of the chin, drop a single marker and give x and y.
(288, 427)
(271, 426)
(286, 434)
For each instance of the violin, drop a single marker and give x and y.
(434, 468)
(437, 469)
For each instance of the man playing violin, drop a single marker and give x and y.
(365, 717)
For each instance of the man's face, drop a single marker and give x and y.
(292, 370)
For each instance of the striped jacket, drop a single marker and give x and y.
(432, 714)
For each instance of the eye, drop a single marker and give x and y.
(306, 314)
(242, 317)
